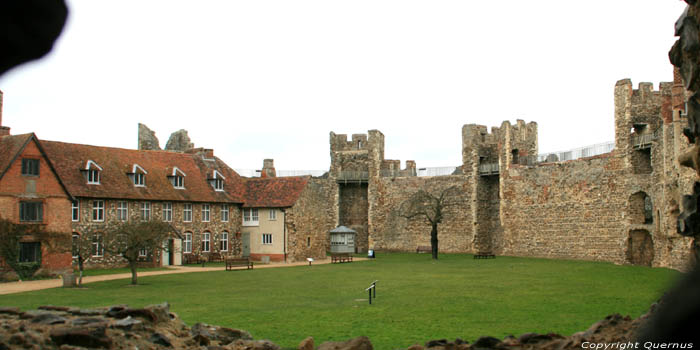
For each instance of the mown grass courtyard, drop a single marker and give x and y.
(417, 299)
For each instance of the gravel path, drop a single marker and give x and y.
(26, 286)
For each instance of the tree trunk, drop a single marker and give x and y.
(132, 265)
(80, 268)
(434, 241)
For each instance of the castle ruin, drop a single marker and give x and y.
(619, 206)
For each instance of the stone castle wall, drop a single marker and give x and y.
(390, 231)
(619, 207)
(307, 223)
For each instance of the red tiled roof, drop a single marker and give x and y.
(278, 192)
(69, 159)
(10, 147)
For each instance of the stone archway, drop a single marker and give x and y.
(640, 248)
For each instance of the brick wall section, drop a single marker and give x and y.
(46, 188)
(307, 222)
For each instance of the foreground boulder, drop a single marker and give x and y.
(155, 327)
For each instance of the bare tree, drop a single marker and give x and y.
(128, 240)
(432, 207)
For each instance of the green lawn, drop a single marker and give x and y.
(417, 299)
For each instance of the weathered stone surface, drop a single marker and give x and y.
(179, 141)
(147, 139)
(129, 333)
(307, 344)
(94, 337)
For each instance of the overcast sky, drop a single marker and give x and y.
(270, 79)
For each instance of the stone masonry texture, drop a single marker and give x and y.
(619, 206)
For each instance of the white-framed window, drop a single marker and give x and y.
(217, 181)
(93, 177)
(273, 214)
(98, 210)
(139, 181)
(224, 213)
(138, 176)
(92, 172)
(123, 210)
(167, 211)
(187, 243)
(206, 239)
(97, 248)
(267, 238)
(205, 212)
(250, 217)
(145, 211)
(187, 212)
(177, 178)
(143, 252)
(75, 210)
(223, 242)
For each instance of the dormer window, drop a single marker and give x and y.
(138, 175)
(92, 172)
(177, 178)
(217, 181)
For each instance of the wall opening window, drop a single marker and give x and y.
(224, 212)
(97, 246)
(515, 155)
(167, 212)
(273, 214)
(123, 211)
(143, 252)
(223, 246)
(145, 211)
(250, 217)
(30, 167)
(641, 209)
(187, 212)
(75, 210)
(29, 252)
(205, 212)
(98, 210)
(267, 238)
(206, 239)
(308, 241)
(187, 243)
(31, 211)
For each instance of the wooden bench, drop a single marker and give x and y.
(484, 255)
(238, 262)
(424, 249)
(340, 258)
(215, 257)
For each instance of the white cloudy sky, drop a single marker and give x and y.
(270, 79)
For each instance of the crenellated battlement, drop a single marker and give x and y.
(504, 144)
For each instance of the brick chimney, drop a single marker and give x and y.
(268, 169)
(4, 130)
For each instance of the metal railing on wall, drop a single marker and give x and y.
(488, 169)
(437, 171)
(582, 152)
